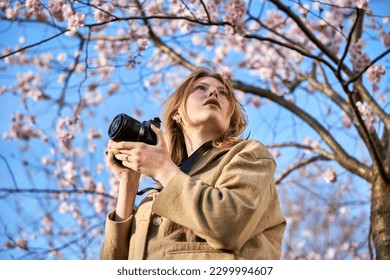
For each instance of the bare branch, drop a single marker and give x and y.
(53, 191)
(35, 44)
(296, 166)
(322, 152)
(10, 171)
(327, 89)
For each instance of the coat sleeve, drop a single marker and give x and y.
(117, 237)
(227, 214)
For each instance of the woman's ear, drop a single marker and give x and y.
(177, 118)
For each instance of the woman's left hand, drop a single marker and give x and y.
(150, 160)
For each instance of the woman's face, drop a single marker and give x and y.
(208, 106)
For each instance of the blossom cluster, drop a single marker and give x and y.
(359, 59)
(374, 74)
(368, 114)
(235, 11)
(22, 127)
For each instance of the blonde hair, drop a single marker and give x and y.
(178, 99)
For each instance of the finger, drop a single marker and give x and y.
(125, 145)
(123, 157)
(111, 159)
(159, 134)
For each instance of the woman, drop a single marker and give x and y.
(224, 207)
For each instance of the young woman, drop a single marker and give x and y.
(223, 205)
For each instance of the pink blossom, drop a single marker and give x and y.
(34, 7)
(55, 7)
(316, 6)
(359, 59)
(13, 13)
(275, 20)
(61, 78)
(94, 134)
(367, 114)
(22, 244)
(9, 245)
(104, 12)
(65, 132)
(347, 122)
(138, 112)
(114, 87)
(3, 90)
(235, 12)
(142, 44)
(75, 22)
(67, 11)
(362, 4)
(276, 153)
(21, 130)
(154, 79)
(197, 39)
(255, 101)
(385, 38)
(330, 175)
(303, 9)
(61, 57)
(375, 73)
(45, 160)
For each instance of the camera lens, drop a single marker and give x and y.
(124, 128)
(115, 124)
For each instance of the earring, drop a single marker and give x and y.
(178, 120)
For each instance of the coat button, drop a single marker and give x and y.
(157, 221)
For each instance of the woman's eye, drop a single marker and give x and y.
(224, 93)
(201, 88)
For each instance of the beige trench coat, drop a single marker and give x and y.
(227, 207)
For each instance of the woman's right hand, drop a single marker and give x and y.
(128, 184)
(121, 172)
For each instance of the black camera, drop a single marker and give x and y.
(125, 128)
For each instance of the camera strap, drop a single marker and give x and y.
(187, 164)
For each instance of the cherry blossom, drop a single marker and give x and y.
(368, 115)
(359, 59)
(375, 73)
(75, 22)
(55, 7)
(288, 73)
(104, 12)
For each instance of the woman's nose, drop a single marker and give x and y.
(212, 92)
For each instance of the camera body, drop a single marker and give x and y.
(125, 128)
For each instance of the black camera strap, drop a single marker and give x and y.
(187, 164)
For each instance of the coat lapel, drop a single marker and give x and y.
(206, 159)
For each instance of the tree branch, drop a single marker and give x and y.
(35, 44)
(296, 166)
(53, 191)
(372, 148)
(344, 159)
(358, 20)
(321, 152)
(308, 33)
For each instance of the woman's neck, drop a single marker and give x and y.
(195, 140)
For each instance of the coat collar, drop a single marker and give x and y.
(206, 159)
